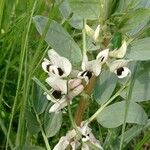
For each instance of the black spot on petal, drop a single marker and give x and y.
(47, 67)
(60, 71)
(83, 136)
(57, 94)
(102, 59)
(83, 73)
(89, 74)
(119, 71)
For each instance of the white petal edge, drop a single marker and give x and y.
(96, 33)
(57, 84)
(119, 53)
(117, 64)
(44, 64)
(84, 62)
(89, 31)
(62, 144)
(103, 55)
(60, 104)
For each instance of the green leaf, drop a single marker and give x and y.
(133, 19)
(123, 5)
(39, 100)
(105, 86)
(74, 20)
(59, 39)
(141, 87)
(113, 115)
(33, 148)
(89, 9)
(134, 132)
(139, 50)
(32, 123)
(52, 123)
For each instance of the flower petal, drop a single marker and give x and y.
(96, 33)
(119, 53)
(76, 91)
(89, 31)
(96, 67)
(57, 84)
(60, 104)
(122, 72)
(74, 83)
(85, 147)
(62, 144)
(45, 65)
(86, 75)
(50, 98)
(103, 56)
(117, 64)
(84, 62)
(60, 61)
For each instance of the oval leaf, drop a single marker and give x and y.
(89, 9)
(52, 123)
(32, 123)
(59, 39)
(105, 86)
(113, 115)
(39, 100)
(139, 50)
(141, 87)
(133, 19)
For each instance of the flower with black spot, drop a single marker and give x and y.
(62, 92)
(92, 68)
(56, 65)
(119, 67)
(72, 138)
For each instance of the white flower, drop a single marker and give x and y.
(57, 84)
(65, 141)
(87, 136)
(119, 53)
(92, 33)
(72, 139)
(93, 67)
(62, 95)
(56, 65)
(119, 67)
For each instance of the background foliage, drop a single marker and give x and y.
(24, 117)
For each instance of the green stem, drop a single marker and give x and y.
(21, 117)
(107, 103)
(70, 115)
(84, 37)
(5, 132)
(43, 134)
(127, 107)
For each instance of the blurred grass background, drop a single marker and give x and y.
(21, 49)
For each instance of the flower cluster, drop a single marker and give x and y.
(119, 66)
(62, 90)
(82, 136)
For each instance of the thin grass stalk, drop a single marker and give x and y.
(23, 51)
